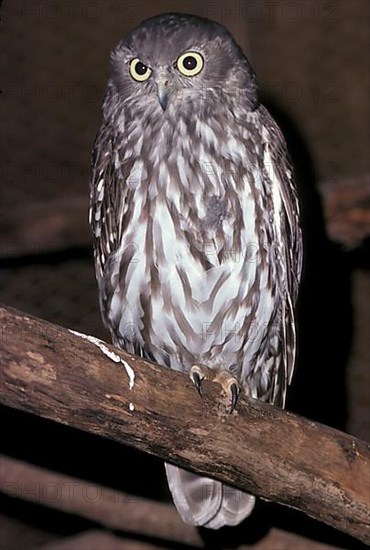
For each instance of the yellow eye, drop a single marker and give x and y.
(139, 71)
(190, 63)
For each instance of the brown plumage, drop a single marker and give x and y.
(195, 220)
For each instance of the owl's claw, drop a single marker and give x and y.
(235, 390)
(196, 376)
(231, 387)
(197, 382)
(227, 381)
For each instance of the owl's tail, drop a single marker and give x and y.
(206, 502)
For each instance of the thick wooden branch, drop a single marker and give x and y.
(56, 225)
(48, 371)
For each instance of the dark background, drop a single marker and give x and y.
(312, 63)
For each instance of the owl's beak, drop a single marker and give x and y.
(163, 92)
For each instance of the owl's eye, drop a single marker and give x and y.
(190, 63)
(139, 71)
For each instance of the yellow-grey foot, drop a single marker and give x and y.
(197, 375)
(231, 387)
(227, 381)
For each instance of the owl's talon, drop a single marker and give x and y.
(196, 376)
(197, 383)
(235, 390)
(231, 388)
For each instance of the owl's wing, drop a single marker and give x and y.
(110, 199)
(279, 174)
(282, 173)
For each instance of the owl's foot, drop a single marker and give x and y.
(231, 387)
(197, 375)
(227, 381)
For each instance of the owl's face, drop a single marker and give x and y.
(172, 62)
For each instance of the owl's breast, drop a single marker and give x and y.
(196, 256)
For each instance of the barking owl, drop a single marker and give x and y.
(195, 221)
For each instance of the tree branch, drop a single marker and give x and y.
(113, 509)
(48, 371)
(347, 209)
(118, 511)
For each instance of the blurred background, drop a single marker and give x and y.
(312, 63)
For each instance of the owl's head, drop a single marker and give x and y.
(174, 62)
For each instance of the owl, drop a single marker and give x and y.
(195, 223)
